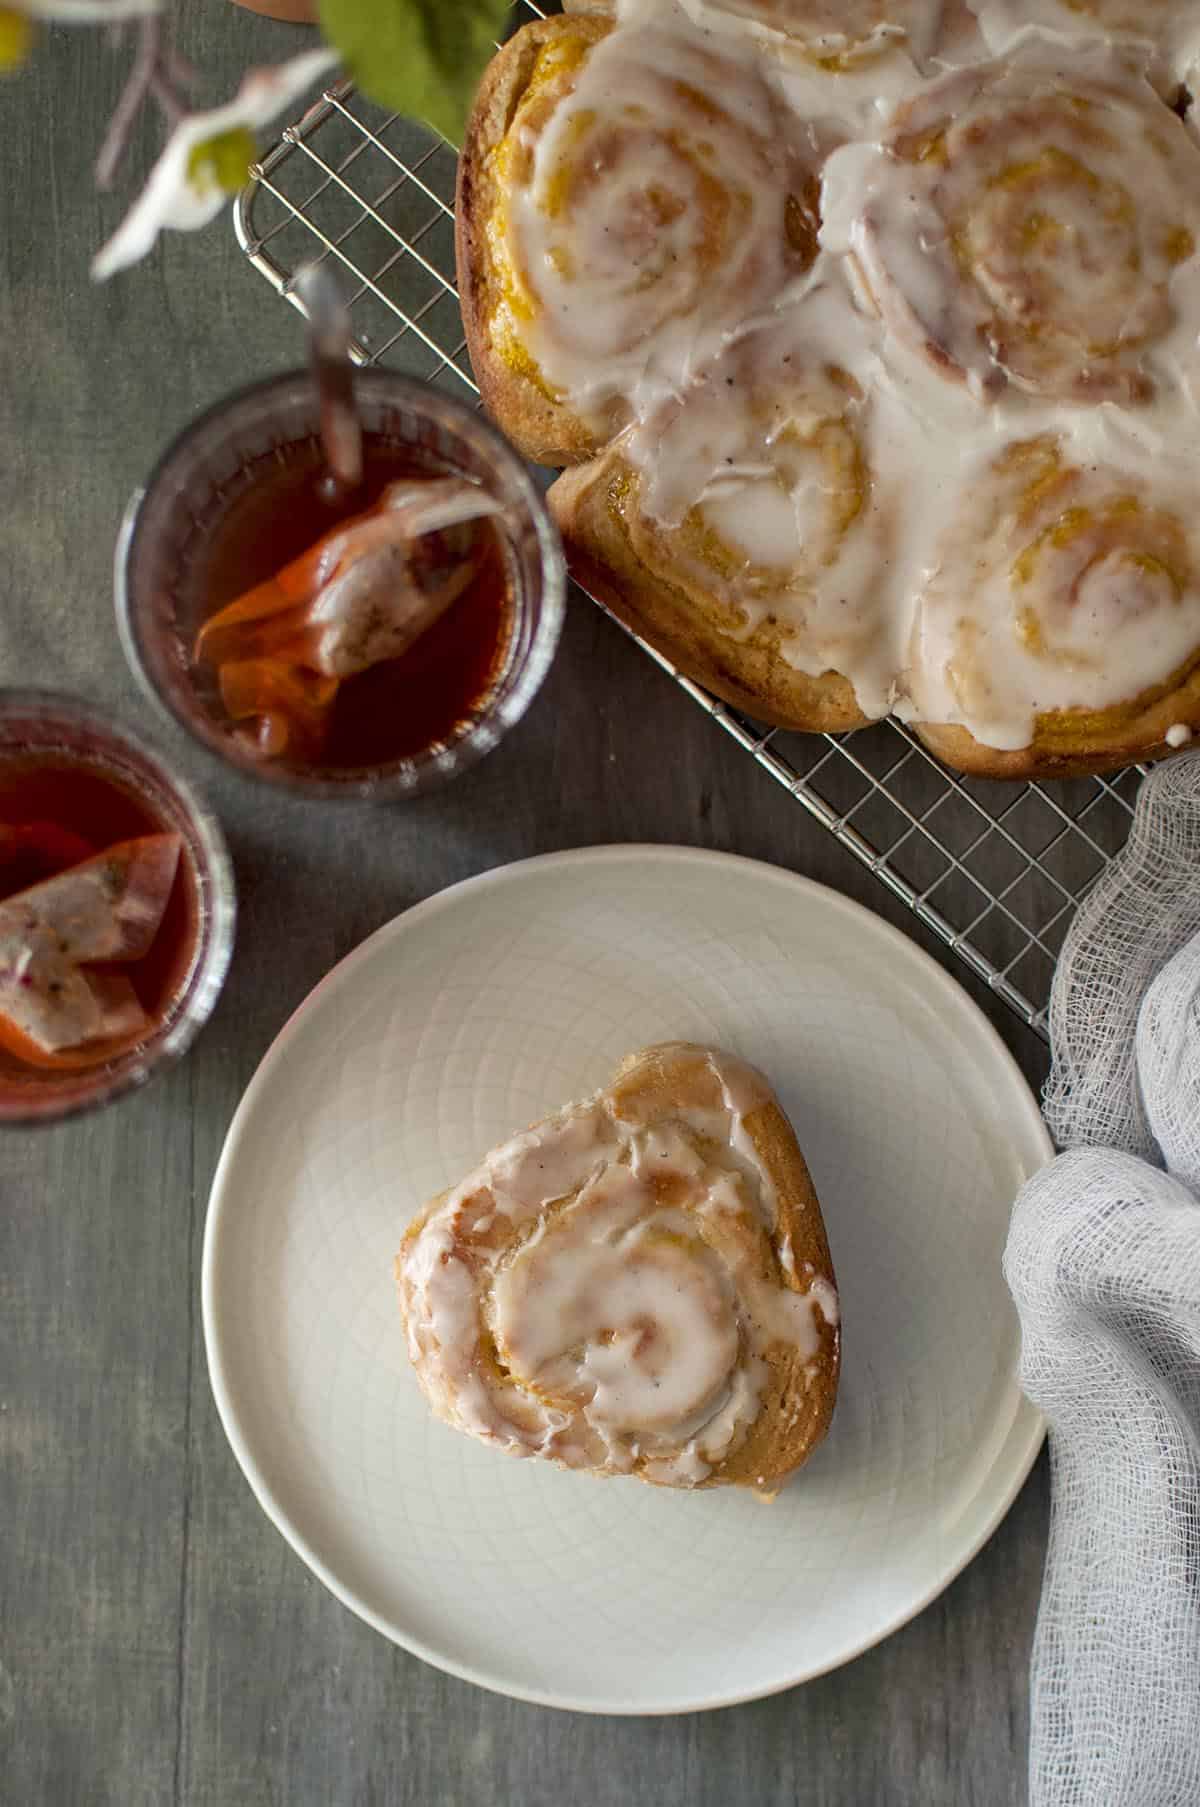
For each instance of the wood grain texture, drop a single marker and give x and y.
(159, 1643)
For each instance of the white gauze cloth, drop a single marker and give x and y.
(1103, 1260)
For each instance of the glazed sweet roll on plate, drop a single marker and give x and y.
(639, 1285)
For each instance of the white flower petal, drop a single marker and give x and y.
(170, 198)
(264, 93)
(86, 12)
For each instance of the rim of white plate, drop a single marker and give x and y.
(954, 997)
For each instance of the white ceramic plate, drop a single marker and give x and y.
(460, 1022)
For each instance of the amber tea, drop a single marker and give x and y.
(371, 643)
(116, 909)
(273, 520)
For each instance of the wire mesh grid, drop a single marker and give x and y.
(994, 870)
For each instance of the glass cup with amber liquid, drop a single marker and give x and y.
(116, 909)
(345, 640)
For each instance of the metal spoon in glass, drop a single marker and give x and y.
(341, 430)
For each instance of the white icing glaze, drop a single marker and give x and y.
(770, 454)
(1077, 598)
(630, 1307)
(1000, 225)
(636, 1327)
(1168, 29)
(654, 214)
(821, 31)
(1178, 734)
(840, 65)
(826, 1300)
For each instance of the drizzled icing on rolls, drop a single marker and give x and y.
(1169, 30)
(836, 35)
(838, 65)
(1025, 226)
(1061, 572)
(607, 1289)
(654, 193)
(815, 470)
(758, 488)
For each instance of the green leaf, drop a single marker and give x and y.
(423, 58)
(224, 161)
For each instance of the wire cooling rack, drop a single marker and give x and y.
(995, 870)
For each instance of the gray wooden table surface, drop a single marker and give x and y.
(159, 1643)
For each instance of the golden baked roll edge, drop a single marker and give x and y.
(539, 426)
(750, 673)
(1078, 743)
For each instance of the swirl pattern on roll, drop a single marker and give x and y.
(1024, 227)
(1006, 254)
(757, 491)
(616, 1289)
(1062, 571)
(653, 194)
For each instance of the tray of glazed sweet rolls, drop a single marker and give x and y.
(863, 340)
